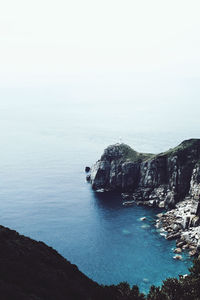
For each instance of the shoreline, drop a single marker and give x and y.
(181, 224)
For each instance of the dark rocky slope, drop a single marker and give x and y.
(32, 270)
(163, 179)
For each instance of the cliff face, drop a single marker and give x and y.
(162, 179)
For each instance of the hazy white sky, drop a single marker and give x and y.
(107, 47)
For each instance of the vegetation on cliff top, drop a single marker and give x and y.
(186, 145)
(131, 155)
(125, 153)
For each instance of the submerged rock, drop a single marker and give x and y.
(145, 226)
(126, 232)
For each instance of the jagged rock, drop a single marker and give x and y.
(185, 247)
(192, 247)
(176, 227)
(161, 204)
(87, 169)
(88, 177)
(173, 236)
(159, 215)
(177, 257)
(186, 222)
(195, 221)
(195, 182)
(192, 252)
(198, 245)
(182, 225)
(180, 244)
(177, 250)
(163, 179)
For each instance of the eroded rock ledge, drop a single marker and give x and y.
(183, 224)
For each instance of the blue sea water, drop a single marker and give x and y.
(46, 142)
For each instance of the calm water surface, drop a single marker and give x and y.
(45, 145)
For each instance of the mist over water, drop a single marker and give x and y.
(47, 139)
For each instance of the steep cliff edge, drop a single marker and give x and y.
(32, 270)
(162, 180)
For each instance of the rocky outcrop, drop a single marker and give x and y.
(195, 182)
(182, 224)
(162, 180)
(118, 169)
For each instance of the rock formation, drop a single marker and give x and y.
(183, 224)
(162, 180)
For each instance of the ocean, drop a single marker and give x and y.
(47, 139)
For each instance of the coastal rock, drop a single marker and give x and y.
(163, 179)
(195, 182)
(183, 225)
(180, 244)
(177, 257)
(87, 169)
(177, 250)
(185, 247)
(88, 177)
(192, 252)
(195, 221)
(173, 236)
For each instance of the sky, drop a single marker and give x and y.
(116, 50)
(127, 64)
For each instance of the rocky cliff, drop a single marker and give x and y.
(161, 180)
